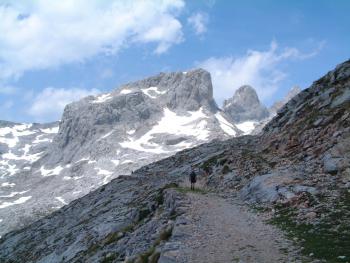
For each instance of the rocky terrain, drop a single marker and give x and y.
(295, 175)
(279, 104)
(46, 166)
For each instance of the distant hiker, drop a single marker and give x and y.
(193, 179)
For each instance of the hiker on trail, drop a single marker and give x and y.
(193, 179)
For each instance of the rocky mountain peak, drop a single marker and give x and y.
(245, 105)
(189, 90)
(244, 95)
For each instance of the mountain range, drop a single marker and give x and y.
(295, 175)
(46, 166)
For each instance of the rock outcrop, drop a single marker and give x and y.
(279, 104)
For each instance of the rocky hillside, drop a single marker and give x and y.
(296, 173)
(279, 104)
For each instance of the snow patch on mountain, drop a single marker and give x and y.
(191, 124)
(60, 199)
(27, 157)
(20, 200)
(50, 172)
(126, 91)
(9, 135)
(225, 125)
(247, 127)
(106, 135)
(52, 130)
(12, 194)
(7, 184)
(102, 98)
(153, 92)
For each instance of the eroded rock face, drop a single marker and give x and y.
(245, 105)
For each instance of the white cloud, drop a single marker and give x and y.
(260, 69)
(199, 22)
(48, 105)
(41, 34)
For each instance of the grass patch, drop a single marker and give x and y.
(110, 258)
(128, 228)
(208, 164)
(143, 213)
(151, 255)
(258, 209)
(328, 240)
(185, 190)
(144, 256)
(166, 234)
(112, 237)
(93, 248)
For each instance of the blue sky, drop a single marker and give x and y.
(54, 53)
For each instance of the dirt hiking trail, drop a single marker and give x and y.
(220, 230)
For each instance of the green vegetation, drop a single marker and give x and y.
(112, 237)
(93, 248)
(258, 209)
(185, 190)
(146, 255)
(152, 255)
(208, 164)
(329, 239)
(166, 234)
(109, 258)
(143, 213)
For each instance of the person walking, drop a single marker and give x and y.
(193, 179)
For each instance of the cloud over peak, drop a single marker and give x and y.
(38, 35)
(260, 69)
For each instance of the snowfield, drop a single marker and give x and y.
(20, 200)
(247, 127)
(171, 123)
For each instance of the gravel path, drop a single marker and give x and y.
(220, 231)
